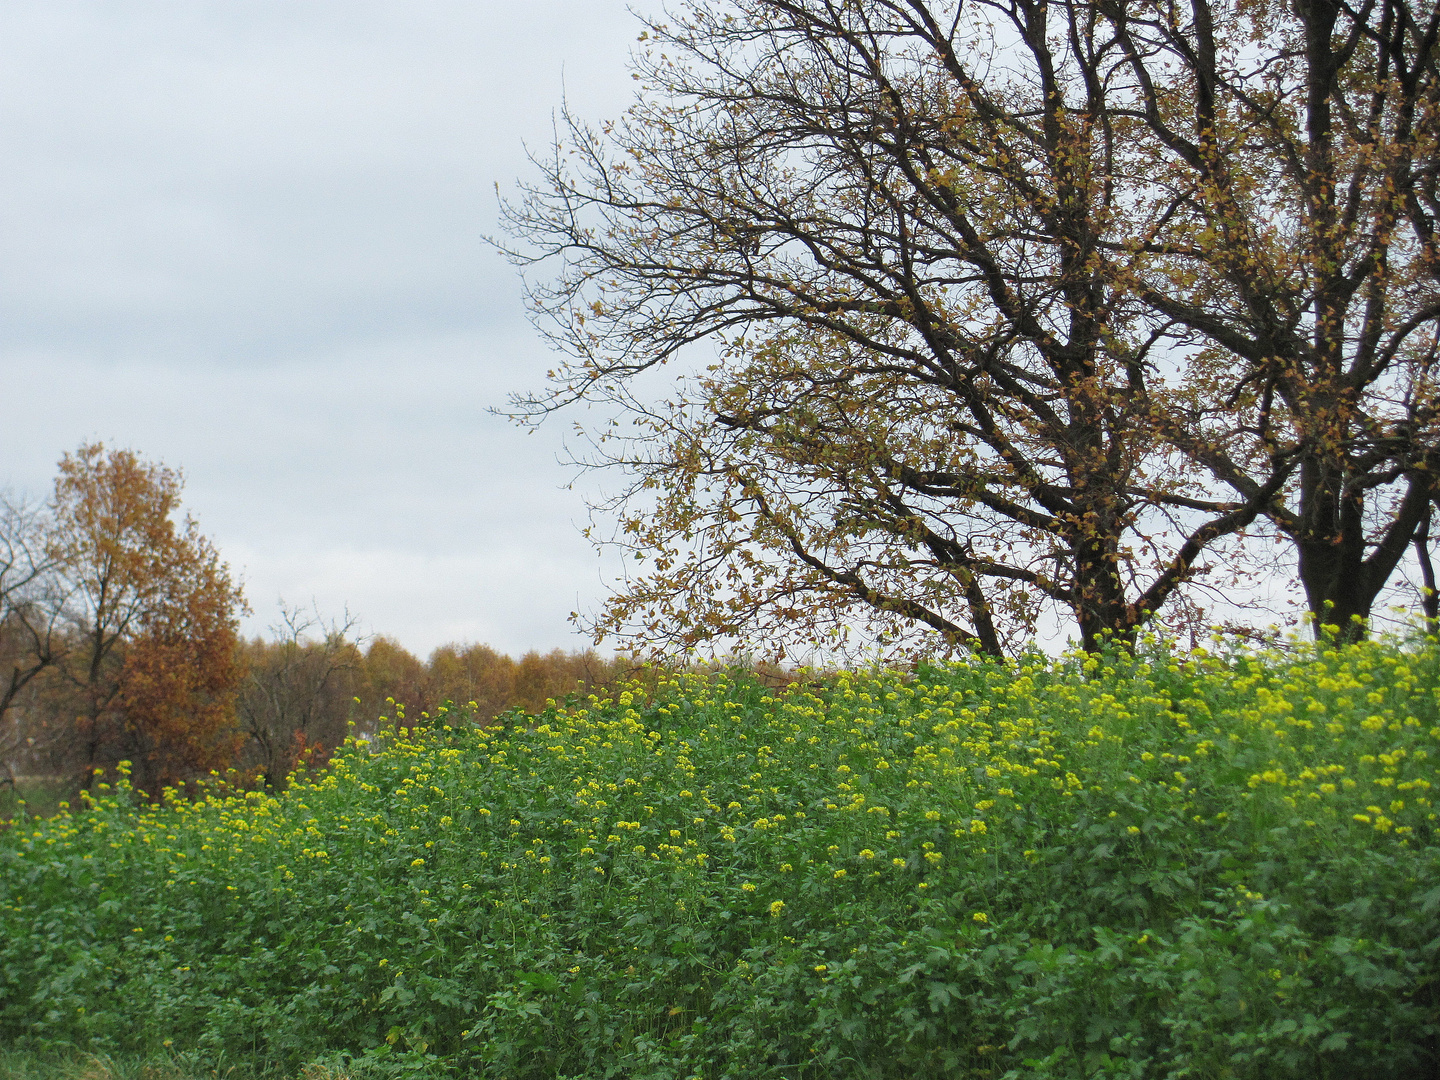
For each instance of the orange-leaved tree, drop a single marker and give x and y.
(153, 668)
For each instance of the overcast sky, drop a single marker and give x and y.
(245, 238)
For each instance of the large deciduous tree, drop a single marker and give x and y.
(933, 400)
(1008, 305)
(152, 668)
(1294, 202)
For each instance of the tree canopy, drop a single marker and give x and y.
(1294, 238)
(151, 665)
(998, 308)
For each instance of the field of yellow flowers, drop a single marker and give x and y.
(1172, 864)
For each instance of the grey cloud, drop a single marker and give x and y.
(245, 237)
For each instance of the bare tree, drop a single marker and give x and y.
(296, 700)
(31, 604)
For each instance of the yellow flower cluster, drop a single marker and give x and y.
(848, 782)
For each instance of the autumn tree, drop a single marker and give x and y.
(478, 673)
(393, 672)
(932, 390)
(152, 668)
(558, 674)
(471, 674)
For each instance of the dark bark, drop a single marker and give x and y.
(1429, 597)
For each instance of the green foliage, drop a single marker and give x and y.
(1160, 866)
(38, 796)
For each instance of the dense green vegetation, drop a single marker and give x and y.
(1168, 865)
(38, 796)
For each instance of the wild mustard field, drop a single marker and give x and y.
(1169, 865)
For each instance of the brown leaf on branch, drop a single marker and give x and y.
(902, 250)
(152, 670)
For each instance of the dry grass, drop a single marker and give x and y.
(20, 1065)
(42, 795)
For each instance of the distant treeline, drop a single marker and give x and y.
(296, 699)
(119, 641)
(299, 695)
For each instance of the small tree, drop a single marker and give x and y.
(29, 616)
(298, 695)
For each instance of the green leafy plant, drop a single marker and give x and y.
(1159, 864)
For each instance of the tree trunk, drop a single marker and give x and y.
(1341, 583)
